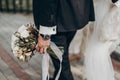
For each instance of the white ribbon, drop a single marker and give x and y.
(45, 67)
(45, 62)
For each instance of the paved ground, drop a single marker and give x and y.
(11, 69)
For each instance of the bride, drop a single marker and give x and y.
(103, 40)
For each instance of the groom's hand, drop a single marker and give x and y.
(42, 44)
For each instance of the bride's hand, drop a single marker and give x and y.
(114, 6)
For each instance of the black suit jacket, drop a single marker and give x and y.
(68, 15)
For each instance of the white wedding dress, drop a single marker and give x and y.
(104, 39)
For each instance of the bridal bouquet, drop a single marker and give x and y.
(23, 44)
(24, 41)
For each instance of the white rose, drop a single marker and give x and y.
(22, 58)
(22, 28)
(24, 33)
(13, 39)
(15, 50)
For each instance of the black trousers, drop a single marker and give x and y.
(63, 39)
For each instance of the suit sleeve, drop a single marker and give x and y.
(44, 13)
(35, 13)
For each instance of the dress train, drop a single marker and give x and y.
(100, 45)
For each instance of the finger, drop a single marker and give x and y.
(44, 50)
(41, 50)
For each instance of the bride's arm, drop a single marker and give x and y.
(117, 3)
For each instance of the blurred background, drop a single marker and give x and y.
(16, 6)
(13, 14)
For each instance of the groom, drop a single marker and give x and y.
(58, 21)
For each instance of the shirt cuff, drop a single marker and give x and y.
(47, 30)
(118, 3)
